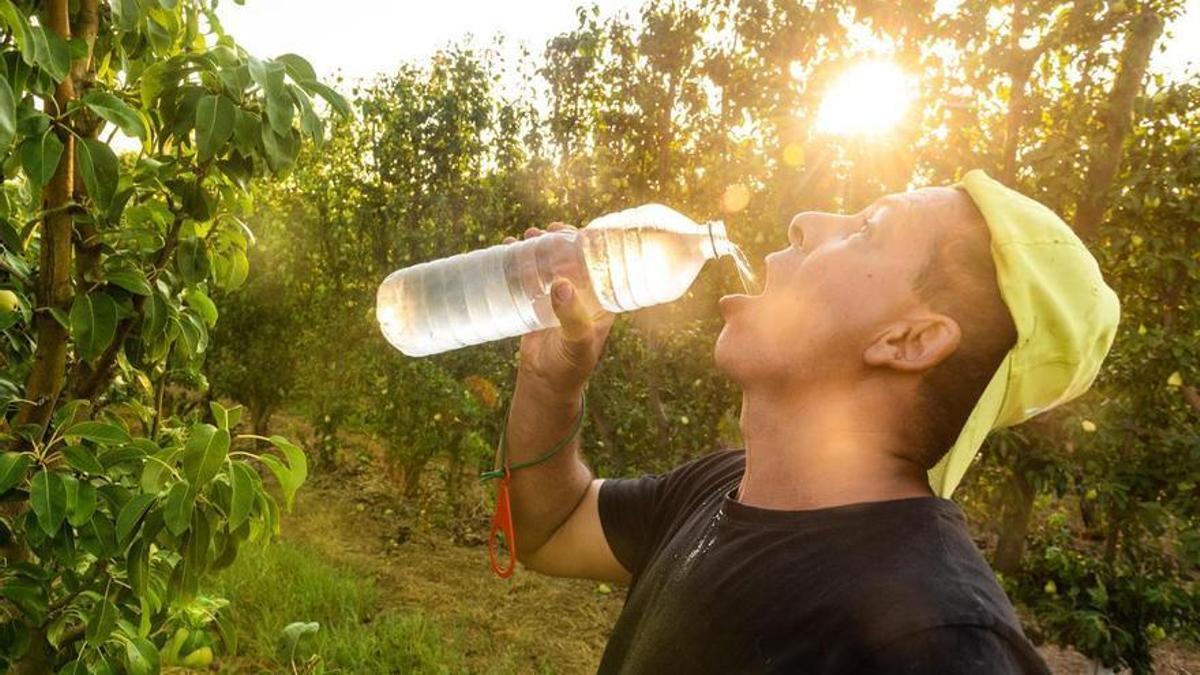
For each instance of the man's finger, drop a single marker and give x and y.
(509, 240)
(555, 227)
(574, 318)
(532, 232)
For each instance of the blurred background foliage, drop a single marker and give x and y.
(1089, 513)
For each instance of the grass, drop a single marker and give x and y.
(273, 586)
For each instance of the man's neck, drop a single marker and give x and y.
(811, 452)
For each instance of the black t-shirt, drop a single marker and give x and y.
(722, 587)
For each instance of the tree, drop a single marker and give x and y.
(113, 507)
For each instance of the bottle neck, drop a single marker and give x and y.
(718, 240)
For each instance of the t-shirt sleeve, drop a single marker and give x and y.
(952, 650)
(636, 513)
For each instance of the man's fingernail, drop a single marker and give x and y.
(563, 292)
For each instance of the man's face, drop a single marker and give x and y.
(831, 292)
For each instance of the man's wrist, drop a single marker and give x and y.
(548, 396)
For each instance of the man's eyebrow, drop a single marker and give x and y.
(887, 202)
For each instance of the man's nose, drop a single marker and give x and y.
(811, 228)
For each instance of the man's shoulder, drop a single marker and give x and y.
(935, 577)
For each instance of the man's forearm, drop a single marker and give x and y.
(543, 495)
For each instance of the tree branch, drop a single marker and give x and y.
(1117, 120)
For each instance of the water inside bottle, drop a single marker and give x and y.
(503, 291)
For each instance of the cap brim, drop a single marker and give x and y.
(947, 473)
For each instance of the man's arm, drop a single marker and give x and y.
(555, 503)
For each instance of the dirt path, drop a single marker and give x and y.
(526, 623)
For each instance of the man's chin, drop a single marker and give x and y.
(727, 352)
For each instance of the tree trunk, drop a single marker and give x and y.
(260, 422)
(46, 378)
(604, 431)
(1015, 525)
(1106, 148)
(1016, 115)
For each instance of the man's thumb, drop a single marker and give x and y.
(575, 321)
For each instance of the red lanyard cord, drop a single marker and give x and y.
(502, 522)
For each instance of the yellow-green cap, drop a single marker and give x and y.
(1065, 315)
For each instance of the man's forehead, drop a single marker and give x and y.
(931, 208)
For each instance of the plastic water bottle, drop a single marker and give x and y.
(619, 262)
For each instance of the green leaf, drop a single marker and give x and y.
(21, 30)
(231, 269)
(8, 114)
(281, 150)
(246, 133)
(51, 52)
(214, 124)
(131, 516)
(116, 111)
(141, 657)
(280, 112)
(334, 99)
(137, 566)
(61, 317)
(297, 462)
(202, 305)
(287, 482)
(97, 537)
(204, 454)
(292, 633)
(99, 432)
(82, 459)
(192, 259)
(177, 509)
(39, 157)
(310, 123)
(193, 335)
(93, 323)
(101, 623)
(48, 499)
(12, 469)
(10, 237)
(130, 278)
(268, 75)
(126, 13)
(297, 67)
(227, 418)
(242, 500)
(85, 504)
(227, 629)
(100, 168)
(157, 469)
(154, 321)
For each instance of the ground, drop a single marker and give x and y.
(556, 625)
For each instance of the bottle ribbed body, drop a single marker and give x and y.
(619, 262)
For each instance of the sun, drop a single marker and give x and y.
(867, 100)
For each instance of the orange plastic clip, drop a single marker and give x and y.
(502, 524)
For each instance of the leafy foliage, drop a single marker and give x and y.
(115, 500)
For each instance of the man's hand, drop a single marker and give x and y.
(562, 359)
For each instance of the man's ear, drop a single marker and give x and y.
(914, 344)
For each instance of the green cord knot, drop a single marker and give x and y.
(504, 468)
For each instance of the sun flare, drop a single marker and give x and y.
(868, 99)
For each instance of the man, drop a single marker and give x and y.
(885, 345)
